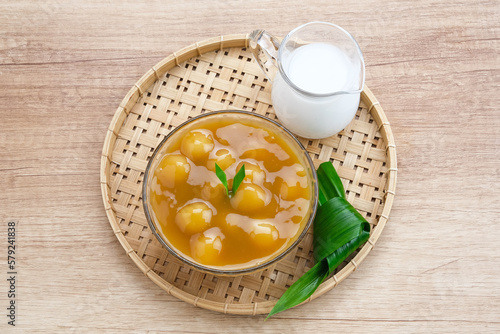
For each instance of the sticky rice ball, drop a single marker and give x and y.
(253, 172)
(249, 198)
(197, 145)
(223, 157)
(194, 218)
(264, 235)
(173, 169)
(213, 193)
(207, 246)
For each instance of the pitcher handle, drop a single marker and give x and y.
(264, 48)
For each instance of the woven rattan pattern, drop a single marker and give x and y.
(211, 79)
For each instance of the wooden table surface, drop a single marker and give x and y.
(434, 66)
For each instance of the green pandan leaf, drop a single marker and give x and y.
(238, 178)
(302, 289)
(329, 183)
(338, 231)
(222, 177)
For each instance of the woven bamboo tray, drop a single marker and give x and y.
(219, 74)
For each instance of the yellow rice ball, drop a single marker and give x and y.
(207, 246)
(194, 218)
(173, 170)
(249, 198)
(197, 145)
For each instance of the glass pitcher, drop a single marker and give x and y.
(317, 72)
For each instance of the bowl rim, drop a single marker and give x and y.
(214, 270)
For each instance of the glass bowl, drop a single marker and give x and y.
(234, 117)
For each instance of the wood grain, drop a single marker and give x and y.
(433, 65)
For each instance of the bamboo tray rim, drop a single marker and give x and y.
(123, 110)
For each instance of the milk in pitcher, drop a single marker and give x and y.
(307, 106)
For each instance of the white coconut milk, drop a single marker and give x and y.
(316, 69)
